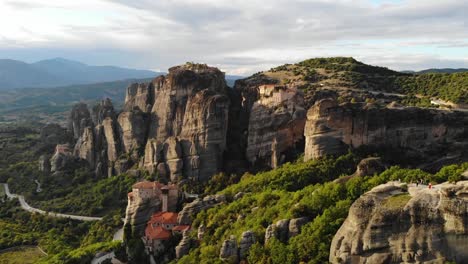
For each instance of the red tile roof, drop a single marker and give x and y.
(157, 233)
(164, 218)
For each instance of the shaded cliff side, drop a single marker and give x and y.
(333, 128)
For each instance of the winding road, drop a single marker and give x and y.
(31, 209)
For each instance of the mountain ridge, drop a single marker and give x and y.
(58, 72)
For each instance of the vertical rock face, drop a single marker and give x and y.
(139, 96)
(103, 110)
(333, 128)
(85, 147)
(99, 140)
(276, 124)
(79, 119)
(189, 117)
(391, 225)
(132, 127)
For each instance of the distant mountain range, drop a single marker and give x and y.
(61, 72)
(443, 70)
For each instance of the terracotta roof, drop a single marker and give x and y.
(157, 233)
(181, 228)
(164, 218)
(130, 194)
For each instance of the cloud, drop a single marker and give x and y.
(238, 35)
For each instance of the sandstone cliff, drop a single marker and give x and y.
(332, 129)
(266, 123)
(396, 224)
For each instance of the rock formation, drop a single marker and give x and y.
(183, 248)
(396, 224)
(229, 251)
(79, 119)
(370, 166)
(246, 241)
(190, 210)
(190, 114)
(333, 128)
(62, 159)
(276, 124)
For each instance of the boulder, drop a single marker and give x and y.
(295, 226)
(247, 240)
(370, 166)
(229, 250)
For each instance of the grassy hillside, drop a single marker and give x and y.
(301, 189)
(344, 73)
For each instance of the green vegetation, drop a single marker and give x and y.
(418, 102)
(24, 255)
(396, 202)
(64, 240)
(451, 87)
(91, 197)
(350, 73)
(301, 189)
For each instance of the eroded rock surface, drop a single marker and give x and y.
(332, 129)
(391, 225)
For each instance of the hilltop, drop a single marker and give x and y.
(346, 74)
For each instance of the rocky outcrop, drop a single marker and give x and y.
(229, 251)
(246, 241)
(138, 213)
(140, 97)
(295, 226)
(370, 166)
(279, 230)
(85, 146)
(276, 124)
(79, 119)
(190, 210)
(190, 113)
(62, 159)
(133, 130)
(332, 129)
(183, 248)
(102, 111)
(44, 163)
(396, 224)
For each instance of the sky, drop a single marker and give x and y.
(239, 36)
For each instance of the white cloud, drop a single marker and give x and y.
(240, 36)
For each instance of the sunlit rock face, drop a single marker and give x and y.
(396, 224)
(189, 115)
(276, 125)
(174, 126)
(332, 128)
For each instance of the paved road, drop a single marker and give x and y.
(31, 209)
